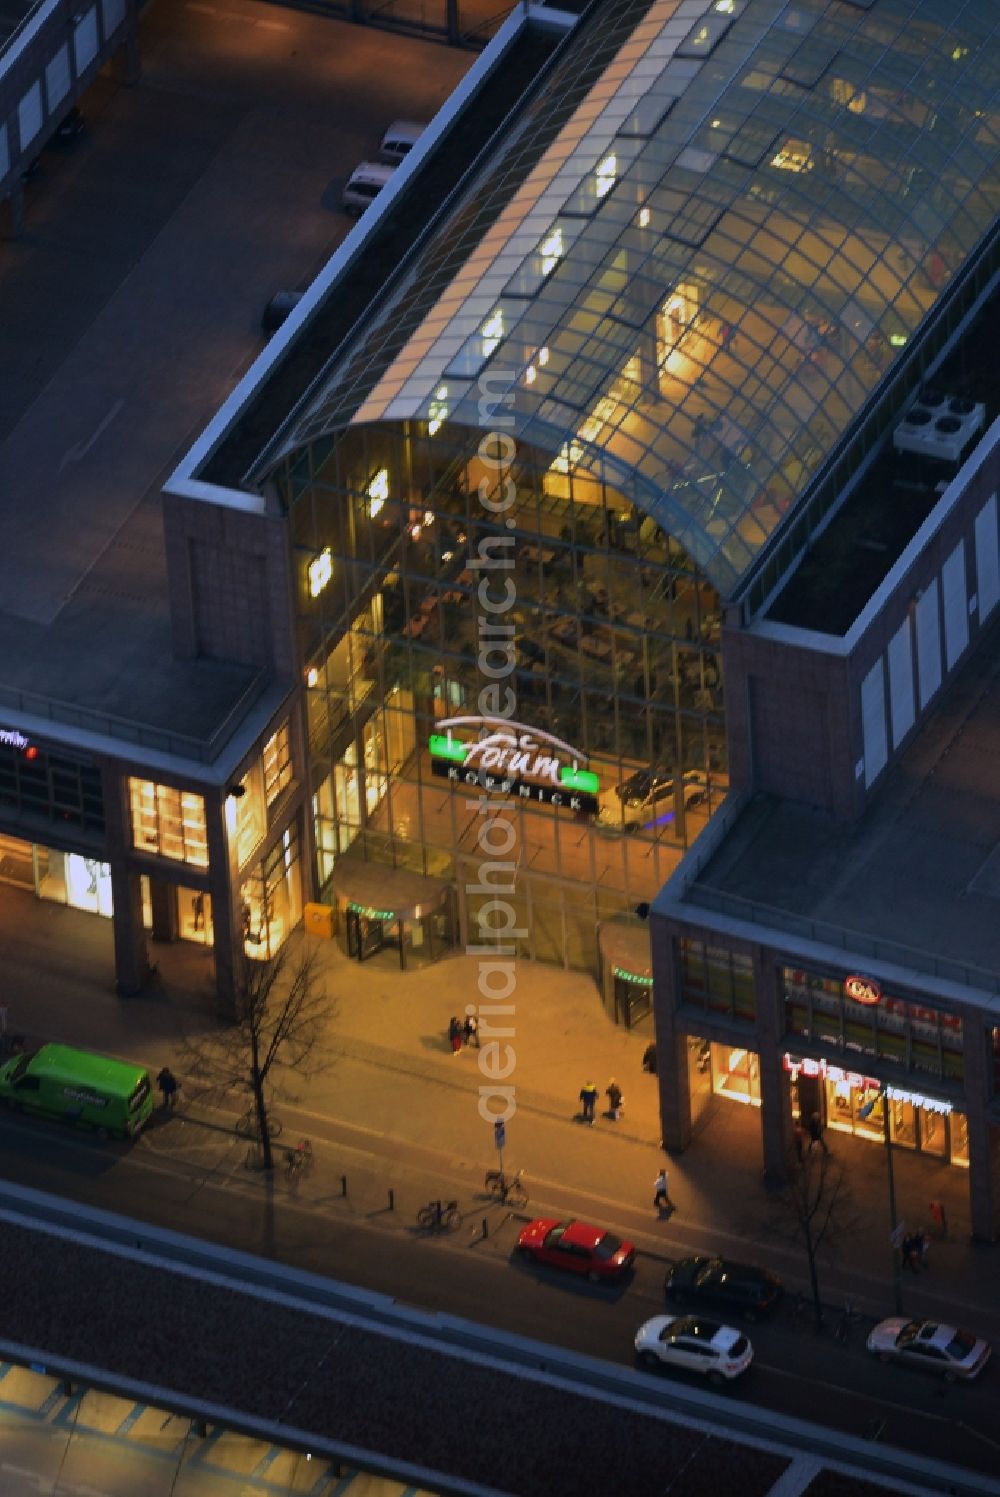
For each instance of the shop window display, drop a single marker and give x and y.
(251, 816)
(277, 762)
(271, 899)
(169, 823)
(852, 1102)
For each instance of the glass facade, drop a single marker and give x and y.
(728, 243)
(906, 1034)
(271, 898)
(600, 630)
(49, 787)
(672, 285)
(168, 823)
(717, 981)
(277, 761)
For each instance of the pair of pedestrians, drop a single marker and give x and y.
(459, 1032)
(589, 1096)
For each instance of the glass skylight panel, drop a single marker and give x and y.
(703, 38)
(797, 18)
(477, 350)
(649, 114)
(751, 143)
(602, 178)
(809, 62)
(534, 271)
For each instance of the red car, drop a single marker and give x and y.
(577, 1247)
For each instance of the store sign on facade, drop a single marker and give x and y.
(856, 1081)
(512, 759)
(862, 990)
(12, 737)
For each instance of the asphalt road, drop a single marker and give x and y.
(190, 1176)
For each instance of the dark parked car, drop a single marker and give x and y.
(741, 1287)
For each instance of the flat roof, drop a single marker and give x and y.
(882, 514)
(12, 13)
(920, 869)
(380, 249)
(131, 306)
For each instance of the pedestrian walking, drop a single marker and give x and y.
(588, 1100)
(661, 1193)
(613, 1092)
(799, 1139)
(169, 1087)
(471, 1028)
(454, 1034)
(199, 911)
(649, 1060)
(816, 1133)
(939, 1218)
(923, 1247)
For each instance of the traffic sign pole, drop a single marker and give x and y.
(499, 1139)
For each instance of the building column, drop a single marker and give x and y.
(220, 828)
(125, 62)
(12, 212)
(132, 968)
(984, 1136)
(775, 1092)
(163, 899)
(672, 1076)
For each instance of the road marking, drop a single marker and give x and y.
(80, 449)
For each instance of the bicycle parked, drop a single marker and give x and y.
(299, 1161)
(440, 1216)
(247, 1125)
(510, 1189)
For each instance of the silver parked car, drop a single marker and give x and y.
(925, 1343)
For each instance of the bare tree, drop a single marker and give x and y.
(281, 1007)
(814, 1207)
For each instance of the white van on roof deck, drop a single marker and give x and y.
(365, 183)
(399, 139)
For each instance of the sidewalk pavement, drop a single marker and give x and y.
(395, 1092)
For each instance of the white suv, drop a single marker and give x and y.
(718, 1352)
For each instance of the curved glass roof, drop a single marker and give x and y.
(730, 238)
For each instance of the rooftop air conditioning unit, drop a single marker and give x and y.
(939, 426)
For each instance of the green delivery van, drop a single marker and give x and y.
(111, 1096)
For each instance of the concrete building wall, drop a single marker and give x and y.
(230, 595)
(796, 712)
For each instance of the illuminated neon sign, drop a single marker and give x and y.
(862, 990)
(13, 737)
(516, 760)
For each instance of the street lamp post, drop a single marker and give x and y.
(897, 1281)
(894, 1232)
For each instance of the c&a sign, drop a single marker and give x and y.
(862, 990)
(513, 759)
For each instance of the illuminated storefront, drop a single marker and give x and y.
(850, 1102)
(609, 650)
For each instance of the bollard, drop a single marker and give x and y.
(201, 1428)
(392, 1200)
(343, 1185)
(486, 1228)
(67, 1387)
